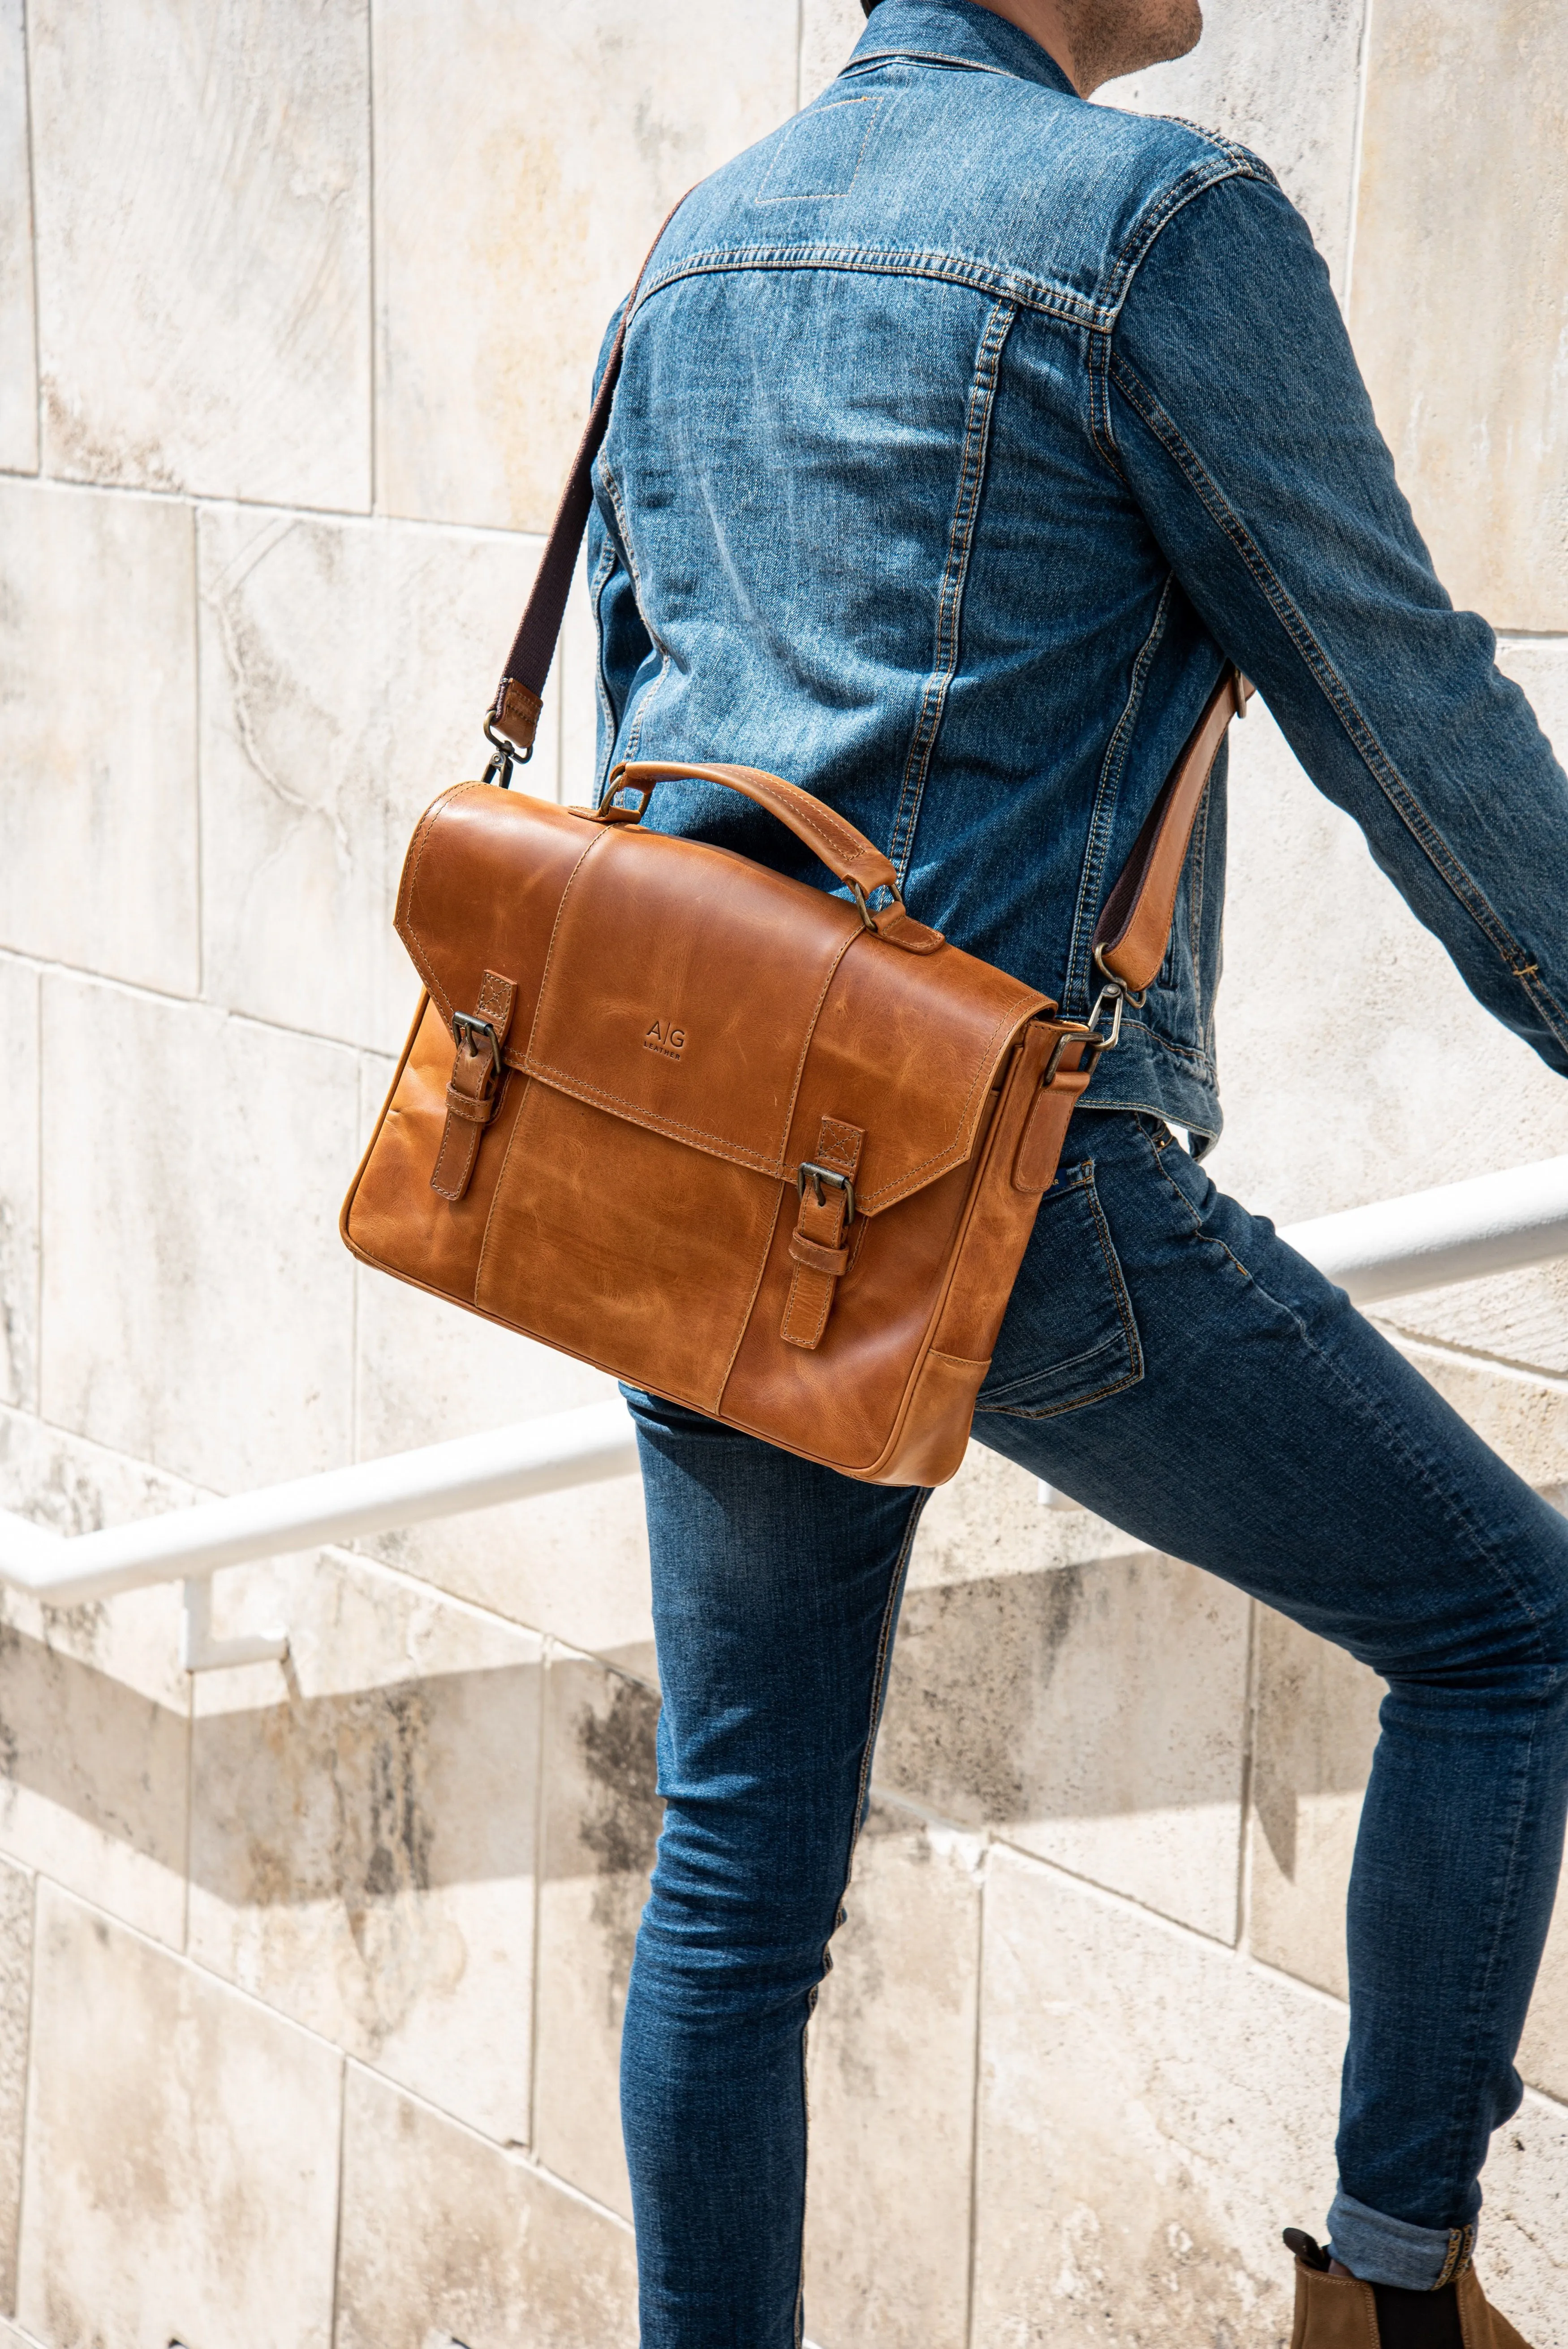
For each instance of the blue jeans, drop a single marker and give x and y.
(1167, 1360)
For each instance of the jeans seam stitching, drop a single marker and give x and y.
(1502, 1923)
(1059, 1410)
(1089, 1354)
(879, 1691)
(1130, 1339)
(1102, 815)
(1451, 1505)
(613, 488)
(608, 565)
(1099, 425)
(955, 577)
(1118, 1290)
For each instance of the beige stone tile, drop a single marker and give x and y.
(345, 671)
(989, 1521)
(18, 1184)
(892, 2076)
(1543, 2050)
(197, 1300)
(1094, 1714)
(18, 352)
(828, 31)
(1522, 1417)
(445, 2239)
(204, 245)
(1315, 1727)
(507, 230)
(602, 1816)
(1152, 2111)
(363, 1828)
(1521, 1317)
(101, 785)
(573, 1563)
(363, 1823)
(182, 2153)
(1520, 2256)
(1458, 244)
(95, 1750)
(1284, 82)
(15, 2001)
(1541, 671)
(1429, 1089)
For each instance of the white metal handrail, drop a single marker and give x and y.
(1494, 1224)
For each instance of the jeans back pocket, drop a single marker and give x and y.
(1069, 1336)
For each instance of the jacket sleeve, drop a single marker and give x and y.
(623, 642)
(1239, 419)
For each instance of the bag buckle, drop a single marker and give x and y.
(1088, 1035)
(470, 1026)
(821, 1175)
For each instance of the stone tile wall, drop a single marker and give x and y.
(311, 1975)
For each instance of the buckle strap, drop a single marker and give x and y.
(817, 1244)
(477, 1083)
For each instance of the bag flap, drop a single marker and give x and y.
(706, 997)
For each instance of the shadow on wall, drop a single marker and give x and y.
(358, 1795)
(1083, 1693)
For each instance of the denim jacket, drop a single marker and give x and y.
(965, 430)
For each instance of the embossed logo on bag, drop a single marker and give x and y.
(665, 1039)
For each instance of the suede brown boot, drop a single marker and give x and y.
(1333, 2310)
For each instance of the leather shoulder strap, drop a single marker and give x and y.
(514, 718)
(1134, 926)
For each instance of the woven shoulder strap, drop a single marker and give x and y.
(514, 718)
(1134, 927)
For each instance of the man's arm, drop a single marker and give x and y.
(1243, 429)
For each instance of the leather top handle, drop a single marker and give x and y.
(848, 854)
(514, 718)
(1133, 931)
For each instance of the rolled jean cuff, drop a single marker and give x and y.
(1380, 2249)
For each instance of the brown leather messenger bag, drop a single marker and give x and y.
(770, 1152)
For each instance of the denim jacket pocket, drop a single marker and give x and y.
(1068, 1337)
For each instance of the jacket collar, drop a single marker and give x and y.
(956, 32)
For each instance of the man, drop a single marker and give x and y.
(966, 431)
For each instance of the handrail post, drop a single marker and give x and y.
(201, 1652)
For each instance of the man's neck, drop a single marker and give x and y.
(1094, 41)
(1043, 22)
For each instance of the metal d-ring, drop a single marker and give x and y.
(1088, 1035)
(1093, 1044)
(1136, 995)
